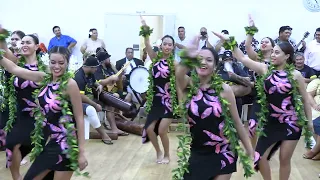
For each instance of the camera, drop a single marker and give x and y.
(203, 33)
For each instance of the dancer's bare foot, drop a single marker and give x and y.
(165, 160)
(159, 157)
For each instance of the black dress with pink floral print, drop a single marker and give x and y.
(282, 119)
(210, 150)
(161, 105)
(52, 157)
(24, 123)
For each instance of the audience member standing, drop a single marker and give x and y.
(181, 42)
(61, 40)
(92, 43)
(312, 53)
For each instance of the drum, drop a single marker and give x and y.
(138, 79)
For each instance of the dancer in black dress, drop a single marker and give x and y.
(284, 103)
(263, 55)
(212, 113)
(16, 36)
(20, 123)
(63, 153)
(161, 96)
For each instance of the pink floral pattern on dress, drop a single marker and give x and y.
(281, 85)
(221, 145)
(211, 101)
(27, 83)
(165, 97)
(286, 114)
(252, 126)
(58, 132)
(213, 109)
(30, 106)
(163, 68)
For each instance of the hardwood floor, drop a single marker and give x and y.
(129, 159)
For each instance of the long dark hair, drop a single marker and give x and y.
(287, 49)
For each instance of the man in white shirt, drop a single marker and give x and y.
(181, 42)
(312, 53)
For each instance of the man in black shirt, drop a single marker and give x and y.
(306, 71)
(86, 83)
(105, 70)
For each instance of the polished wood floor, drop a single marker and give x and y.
(128, 159)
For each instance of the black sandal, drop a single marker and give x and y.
(109, 142)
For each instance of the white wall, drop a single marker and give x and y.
(76, 17)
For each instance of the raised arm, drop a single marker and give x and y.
(147, 43)
(35, 76)
(258, 67)
(188, 61)
(250, 51)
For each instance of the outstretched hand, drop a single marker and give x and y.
(143, 22)
(221, 36)
(192, 48)
(250, 20)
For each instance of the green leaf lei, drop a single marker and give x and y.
(4, 34)
(145, 32)
(251, 30)
(230, 44)
(229, 129)
(72, 152)
(297, 103)
(12, 92)
(260, 56)
(3, 81)
(3, 85)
